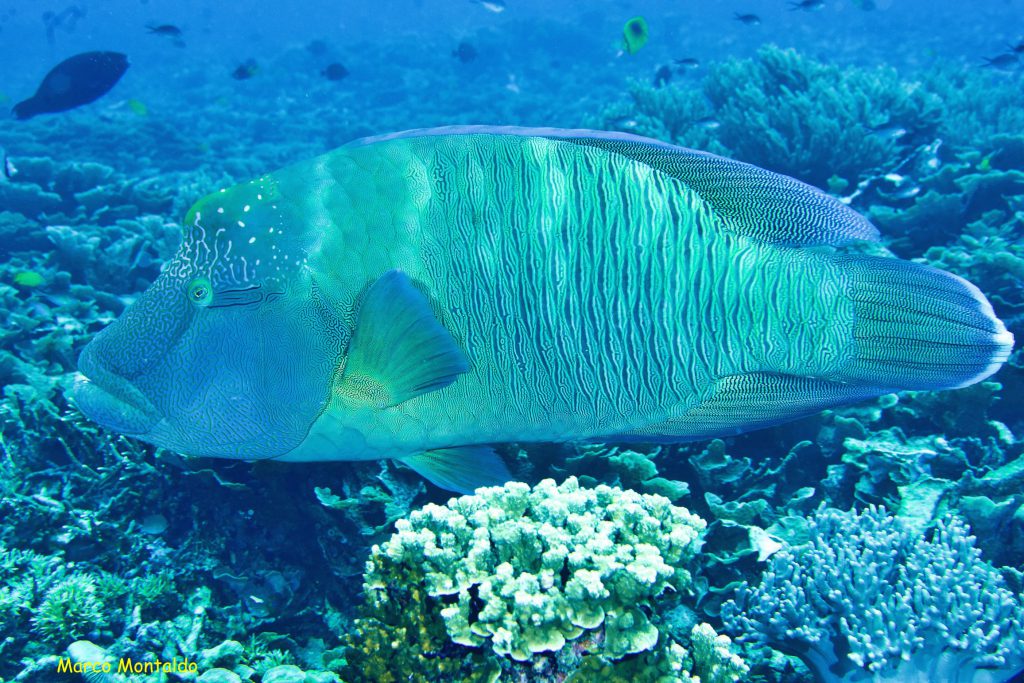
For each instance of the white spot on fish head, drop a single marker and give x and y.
(252, 240)
(220, 210)
(241, 224)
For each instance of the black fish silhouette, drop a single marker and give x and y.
(76, 81)
(334, 71)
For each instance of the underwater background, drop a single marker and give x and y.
(880, 541)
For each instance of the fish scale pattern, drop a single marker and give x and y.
(604, 285)
(601, 291)
(756, 202)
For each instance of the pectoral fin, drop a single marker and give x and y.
(463, 469)
(399, 350)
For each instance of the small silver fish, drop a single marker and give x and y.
(10, 170)
(496, 6)
(890, 132)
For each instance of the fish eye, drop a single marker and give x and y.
(200, 291)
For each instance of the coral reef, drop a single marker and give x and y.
(250, 570)
(558, 578)
(868, 598)
(787, 112)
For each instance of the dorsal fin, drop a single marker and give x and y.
(766, 206)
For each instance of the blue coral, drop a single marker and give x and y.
(868, 599)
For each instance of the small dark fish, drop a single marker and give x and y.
(1016, 49)
(496, 6)
(334, 71)
(465, 52)
(1006, 60)
(807, 5)
(748, 19)
(663, 76)
(76, 81)
(169, 31)
(687, 62)
(317, 48)
(245, 70)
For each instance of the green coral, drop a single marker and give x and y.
(713, 659)
(627, 468)
(70, 609)
(664, 665)
(156, 592)
(401, 637)
(523, 573)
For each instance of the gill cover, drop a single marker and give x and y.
(230, 353)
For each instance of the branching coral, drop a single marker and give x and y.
(812, 120)
(540, 576)
(787, 112)
(868, 599)
(70, 609)
(548, 564)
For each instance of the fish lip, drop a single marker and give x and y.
(112, 405)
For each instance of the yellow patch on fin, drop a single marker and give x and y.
(399, 350)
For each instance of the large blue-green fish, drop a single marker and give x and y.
(425, 295)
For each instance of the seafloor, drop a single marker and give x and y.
(256, 571)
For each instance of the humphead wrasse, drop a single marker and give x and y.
(426, 295)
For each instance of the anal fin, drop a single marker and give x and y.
(461, 469)
(743, 403)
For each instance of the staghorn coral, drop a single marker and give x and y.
(673, 114)
(977, 106)
(787, 112)
(811, 120)
(869, 599)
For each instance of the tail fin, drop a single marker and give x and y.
(917, 327)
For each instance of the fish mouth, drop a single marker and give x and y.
(114, 404)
